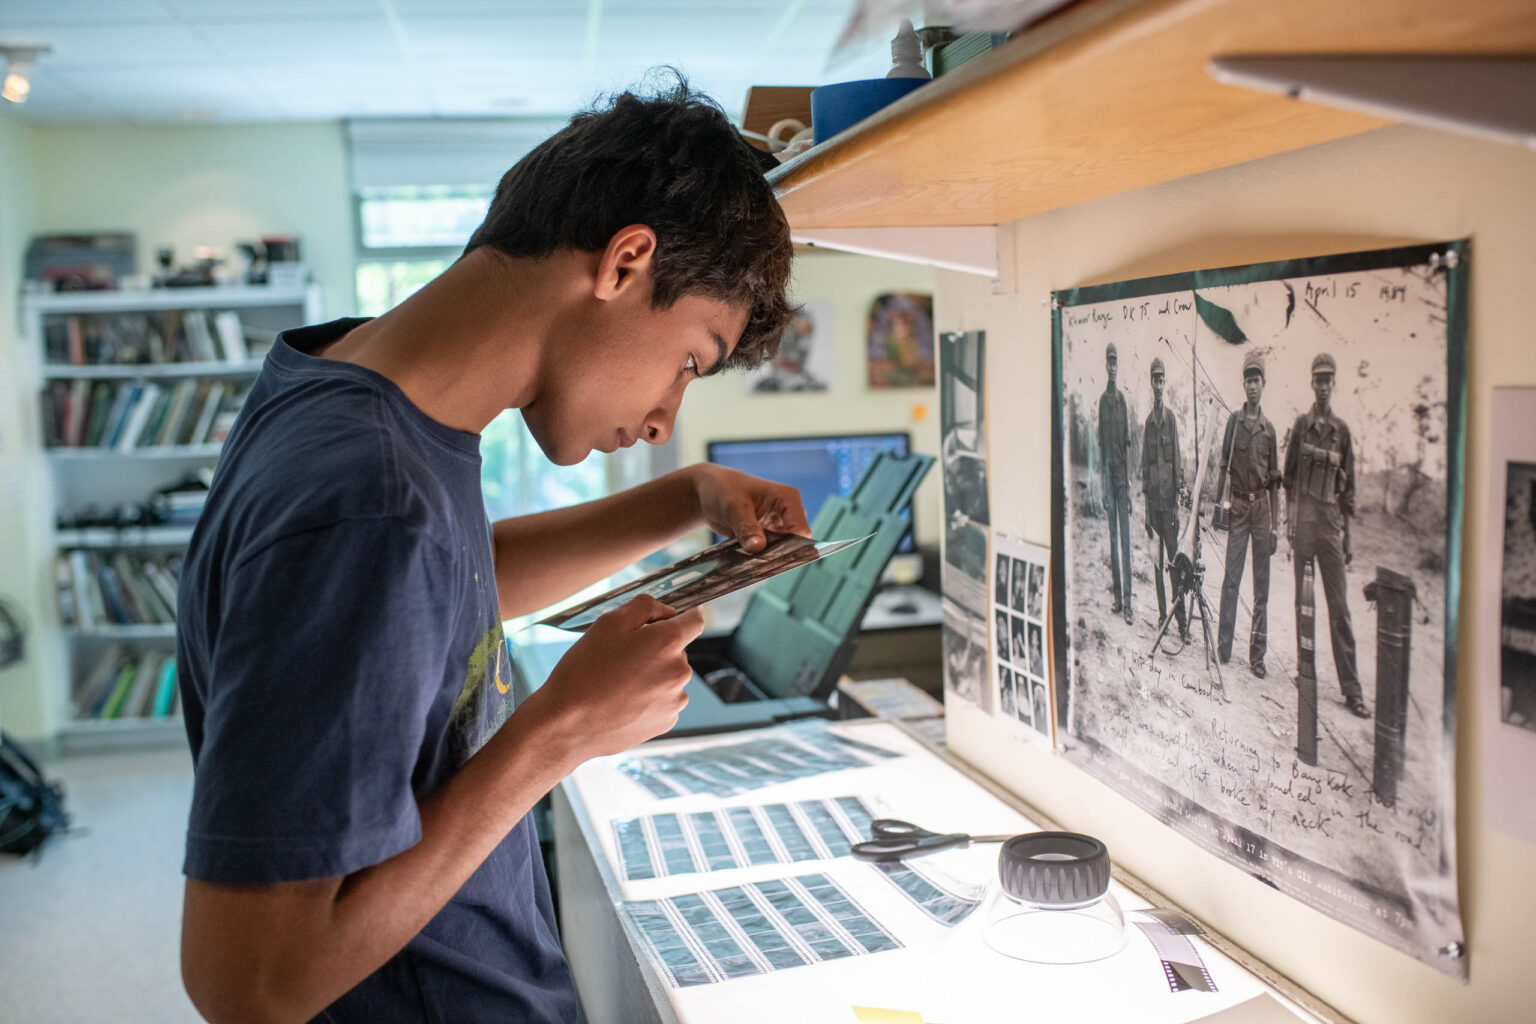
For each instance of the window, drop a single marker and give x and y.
(407, 236)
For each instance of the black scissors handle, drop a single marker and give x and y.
(895, 839)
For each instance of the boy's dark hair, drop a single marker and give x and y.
(673, 162)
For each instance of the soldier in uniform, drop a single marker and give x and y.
(1162, 485)
(1114, 458)
(1319, 502)
(1250, 461)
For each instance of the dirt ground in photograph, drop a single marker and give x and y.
(1230, 745)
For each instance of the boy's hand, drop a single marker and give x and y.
(622, 683)
(741, 506)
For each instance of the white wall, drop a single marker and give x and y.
(190, 185)
(21, 469)
(720, 408)
(1390, 187)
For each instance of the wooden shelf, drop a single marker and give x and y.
(1111, 96)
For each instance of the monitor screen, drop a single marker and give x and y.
(818, 466)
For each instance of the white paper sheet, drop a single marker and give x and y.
(949, 973)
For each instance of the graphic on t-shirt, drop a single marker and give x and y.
(473, 722)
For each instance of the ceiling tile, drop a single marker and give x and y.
(319, 42)
(451, 8)
(80, 46)
(59, 12)
(244, 10)
(501, 37)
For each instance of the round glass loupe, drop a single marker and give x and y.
(1054, 905)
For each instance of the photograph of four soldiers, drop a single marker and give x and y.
(1317, 476)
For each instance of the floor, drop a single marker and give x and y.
(91, 930)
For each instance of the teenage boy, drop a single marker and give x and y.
(359, 847)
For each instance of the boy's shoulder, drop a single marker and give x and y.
(334, 444)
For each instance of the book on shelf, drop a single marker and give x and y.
(165, 690)
(126, 684)
(92, 691)
(231, 336)
(199, 337)
(75, 334)
(204, 425)
(64, 583)
(117, 589)
(152, 337)
(128, 415)
(136, 416)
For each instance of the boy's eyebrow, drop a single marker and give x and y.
(720, 350)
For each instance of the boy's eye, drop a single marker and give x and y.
(692, 365)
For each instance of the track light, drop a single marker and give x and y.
(18, 71)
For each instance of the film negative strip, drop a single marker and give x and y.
(1169, 933)
(941, 902)
(735, 768)
(736, 837)
(709, 937)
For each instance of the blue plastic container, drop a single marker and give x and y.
(837, 106)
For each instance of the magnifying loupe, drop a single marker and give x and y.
(1054, 905)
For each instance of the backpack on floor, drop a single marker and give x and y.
(31, 807)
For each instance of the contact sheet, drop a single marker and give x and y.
(730, 769)
(707, 937)
(740, 836)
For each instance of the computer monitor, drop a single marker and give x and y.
(818, 466)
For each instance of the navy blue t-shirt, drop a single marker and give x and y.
(340, 655)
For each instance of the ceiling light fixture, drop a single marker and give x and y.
(18, 70)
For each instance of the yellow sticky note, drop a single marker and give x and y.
(876, 1015)
(920, 412)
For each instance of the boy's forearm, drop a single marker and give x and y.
(247, 957)
(546, 557)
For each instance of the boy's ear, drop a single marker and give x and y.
(626, 261)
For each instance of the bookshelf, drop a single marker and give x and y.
(136, 393)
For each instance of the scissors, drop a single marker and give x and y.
(895, 839)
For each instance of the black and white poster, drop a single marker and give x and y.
(1258, 490)
(962, 423)
(1508, 622)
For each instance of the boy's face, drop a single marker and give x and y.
(618, 374)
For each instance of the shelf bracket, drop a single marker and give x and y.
(970, 250)
(1491, 97)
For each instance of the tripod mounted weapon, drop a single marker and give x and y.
(1186, 572)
